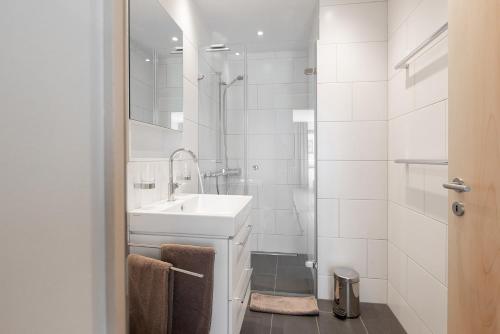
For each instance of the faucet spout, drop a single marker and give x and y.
(171, 184)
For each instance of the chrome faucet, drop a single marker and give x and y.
(171, 184)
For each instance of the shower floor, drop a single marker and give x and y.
(282, 274)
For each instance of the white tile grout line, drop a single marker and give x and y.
(317, 325)
(271, 327)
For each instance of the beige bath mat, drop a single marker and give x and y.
(284, 305)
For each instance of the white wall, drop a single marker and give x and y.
(150, 146)
(276, 86)
(352, 144)
(51, 142)
(418, 207)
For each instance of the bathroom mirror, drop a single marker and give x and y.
(155, 60)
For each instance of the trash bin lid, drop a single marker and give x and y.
(347, 273)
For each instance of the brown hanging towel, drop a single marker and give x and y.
(192, 305)
(150, 285)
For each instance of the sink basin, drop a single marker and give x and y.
(209, 215)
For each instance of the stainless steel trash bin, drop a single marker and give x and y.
(346, 293)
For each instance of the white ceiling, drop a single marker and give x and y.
(237, 21)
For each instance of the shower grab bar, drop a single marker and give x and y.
(404, 62)
(187, 272)
(421, 162)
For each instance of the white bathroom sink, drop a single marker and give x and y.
(210, 215)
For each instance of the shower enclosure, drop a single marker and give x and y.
(256, 137)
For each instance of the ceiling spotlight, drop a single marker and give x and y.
(175, 39)
(237, 54)
(147, 60)
(260, 33)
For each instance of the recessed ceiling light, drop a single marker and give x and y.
(147, 59)
(175, 39)
(260, 33)
(237, 54)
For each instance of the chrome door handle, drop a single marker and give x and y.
(458, 185)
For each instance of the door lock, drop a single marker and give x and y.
(458, 208)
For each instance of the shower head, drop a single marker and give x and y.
(238, 78)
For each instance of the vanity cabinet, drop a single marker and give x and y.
(232, 269)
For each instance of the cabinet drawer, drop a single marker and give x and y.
(239, 273)
(239, 303)
(241, 243)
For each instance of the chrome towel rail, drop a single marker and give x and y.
(421, 162)
(404, 62)
(187, 272)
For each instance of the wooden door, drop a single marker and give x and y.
(474, 155)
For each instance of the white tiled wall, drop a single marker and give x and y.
(150, 146)
(417, 249)
(352, 144)
(276, 86)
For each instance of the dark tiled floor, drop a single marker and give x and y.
(374, 319)
(281, 274)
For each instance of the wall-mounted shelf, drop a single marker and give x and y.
(421, 162)
(404, 62)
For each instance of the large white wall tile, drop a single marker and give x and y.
(397, 269)
(325, 285)
(363, 219)
(327, 63)
(407, 185)
(354, 23)
(328, 217)
(236, 121)
(283, 96)
(400, 95)
(405, 314)
(430, 75)
(299, 65)
(377, 259)
(373, 290)
(397, 48)
(338, 252)
(399, 11)
(422, 238)
(284, 121)
(370, 101)
(427, 18)
(352, 140)
(397, 226)
(287, 223)
(436, 197)
(428, 298)
(427, 243)
(269, 70)
(352, 179)
(334, 102)
(420, 134)
(362, 62)
(261, 122)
